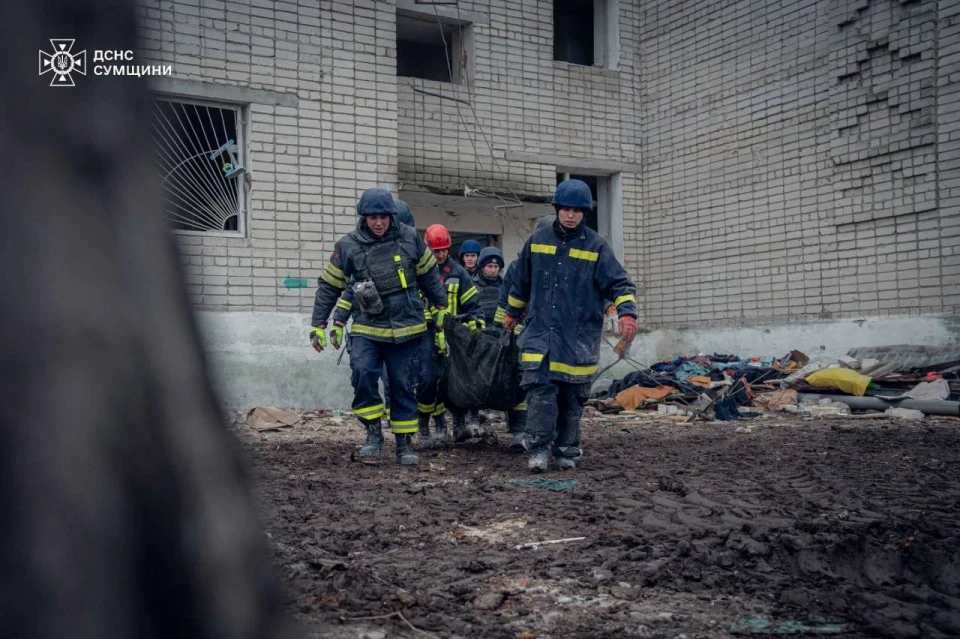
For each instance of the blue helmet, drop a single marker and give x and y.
(573, 194)
(376, 201)
(470, 246)
(404, 214)
(490, 254)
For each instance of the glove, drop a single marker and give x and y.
(441, 342)
(509, 323)
(318, 338)
(336, 335)
(611, 310)
(628, 327)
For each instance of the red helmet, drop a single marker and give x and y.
(437, 237)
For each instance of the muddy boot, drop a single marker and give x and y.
(516, 423)
(374, 443)
(423, 431)
(460, 431)
(565, 463)
(473, 424)
(405, 454)
(440, 428)
(539, 460)
(479, 415)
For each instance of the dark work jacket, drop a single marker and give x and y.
(403, 317)
(562, 279)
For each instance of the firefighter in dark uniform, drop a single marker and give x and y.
(461, 300)
(562, 277)
(390, 265)
(344, 309)
(488, 282)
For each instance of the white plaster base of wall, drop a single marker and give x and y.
(264, 358)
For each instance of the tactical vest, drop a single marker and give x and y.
(388, 268)
(488, 298)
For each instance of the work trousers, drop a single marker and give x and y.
(367, 361)
(554, 409)
(428, 383)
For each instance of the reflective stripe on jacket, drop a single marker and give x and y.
(403, 317)
(561, 280)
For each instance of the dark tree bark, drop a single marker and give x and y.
(124, 504)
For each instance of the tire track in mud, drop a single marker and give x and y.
(794, 521)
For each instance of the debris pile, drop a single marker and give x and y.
(905, 382)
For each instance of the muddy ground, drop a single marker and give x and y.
(711, 530)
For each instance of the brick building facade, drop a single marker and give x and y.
(789, 165)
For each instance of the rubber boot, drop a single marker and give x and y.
(440, 428)
(460, 431)
(539, 460)
(374, 443)
(516, 423)
(423, 431)
(473, 424)
(405, 454)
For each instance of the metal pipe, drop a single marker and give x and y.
(926, 406)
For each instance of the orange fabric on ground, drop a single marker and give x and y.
(634, 396)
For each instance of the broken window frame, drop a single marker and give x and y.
(460, 43)
(240, 158)
(606, 35)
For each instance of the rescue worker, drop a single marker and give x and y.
(563, 275)
(391, 266)
(469, 254)
(341, 314)
(488, 282)
(461, 300)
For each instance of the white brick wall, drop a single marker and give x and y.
(794, 160)
(799, 158)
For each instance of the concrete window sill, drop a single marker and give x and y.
(569, 66)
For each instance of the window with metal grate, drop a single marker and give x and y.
(198, 149)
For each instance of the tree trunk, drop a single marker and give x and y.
(124, 504)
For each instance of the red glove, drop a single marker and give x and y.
(628, 327)
(509, 323)
(611, 310)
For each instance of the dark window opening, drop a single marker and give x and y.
(573, 31)
(590, 219)
(421, 50)
(199, 165)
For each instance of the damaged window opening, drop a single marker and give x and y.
(198, 156)
(573, 31)
(586, 32)
(422, 52)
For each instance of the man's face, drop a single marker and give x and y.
(570, 218)
(470, 260)
(491, 270)
(441, 255)
(378, 224)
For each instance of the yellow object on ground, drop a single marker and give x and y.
(849, 381)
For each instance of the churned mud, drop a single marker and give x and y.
(846, 527)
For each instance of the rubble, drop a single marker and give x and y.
(729, 387)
